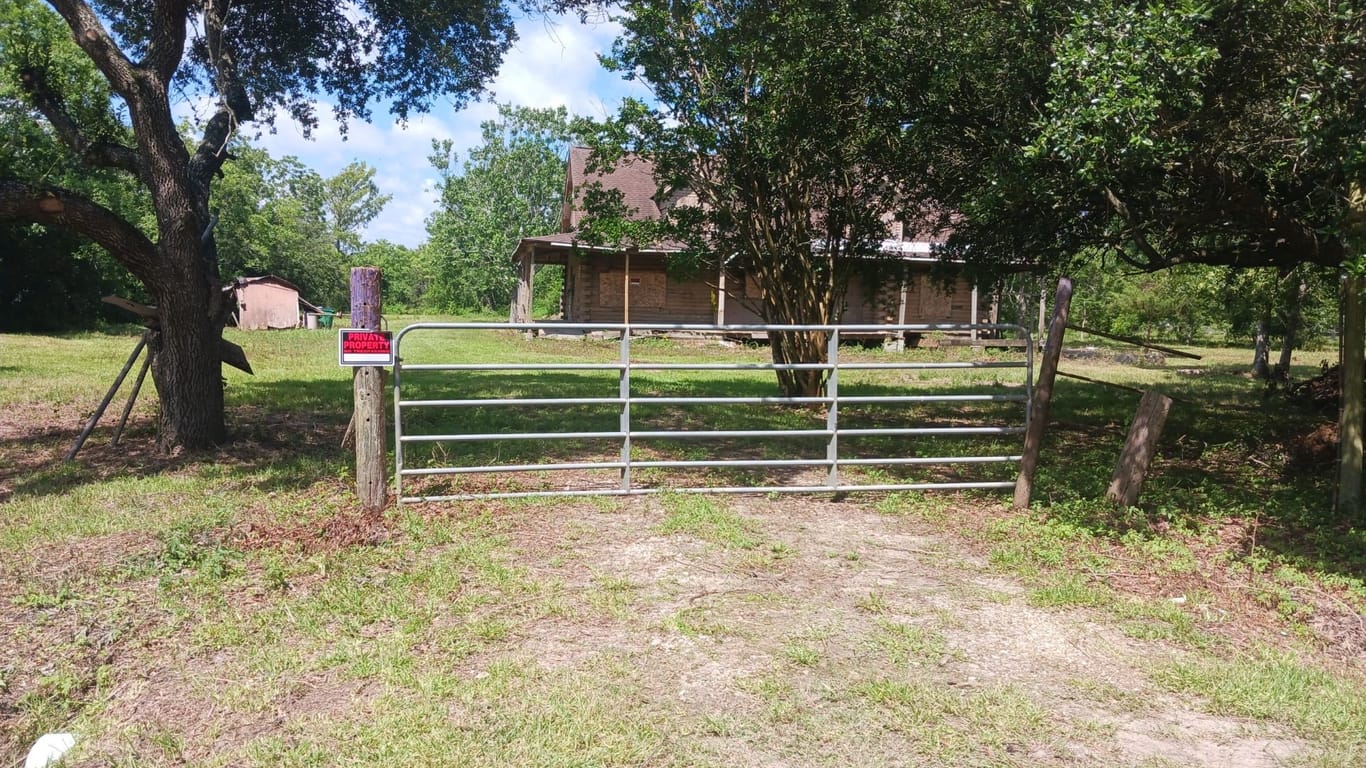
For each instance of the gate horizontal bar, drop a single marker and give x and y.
(714, 329)
(928, 366)
(513, 366)
(899, 431)
(881, 487)
(758, 400)
(865, 399)
(542, 401)
(706, 464)
(731, 366)
(582, 465)
(471, 438)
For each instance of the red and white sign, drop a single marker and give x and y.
(357, 346)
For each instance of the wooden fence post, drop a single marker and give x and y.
(1139, 448)
(1043, 395)
(372, 461)
(1353, 413)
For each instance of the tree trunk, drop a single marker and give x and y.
(800, 347)
(188, 372)
(1261, 368)
(1294, 299)
(1352, 419)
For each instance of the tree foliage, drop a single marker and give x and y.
(511, 186)
(53, 280)
(781, 119)
(404, 281)
(252, 61)
(1226, 132)
(277, 216)
(350, 201)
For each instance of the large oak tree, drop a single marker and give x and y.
(251, 60)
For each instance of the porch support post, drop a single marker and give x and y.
(521, 300)
(721, 295)
(626, 291)
(974, 311)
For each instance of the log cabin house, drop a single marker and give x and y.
(599, 280)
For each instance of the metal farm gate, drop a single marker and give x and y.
(445, 430)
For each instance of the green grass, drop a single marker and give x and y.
(974, 728)
(222, 567)
(514, 715)
(709, 519)
(1275, 686)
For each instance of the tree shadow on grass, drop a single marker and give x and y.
(274, 443)
(1222, 458)
(1219, 456)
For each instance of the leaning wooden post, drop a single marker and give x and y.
(1139, 448)
(372, 466)
(1353, 413)
(1043, 395)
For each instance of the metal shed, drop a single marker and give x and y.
(266, 302)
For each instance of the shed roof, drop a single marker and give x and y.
(263, 279)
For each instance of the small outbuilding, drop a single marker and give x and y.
(267, 302)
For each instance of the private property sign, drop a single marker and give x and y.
(357, 346)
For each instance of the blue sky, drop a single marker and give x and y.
(553, 63)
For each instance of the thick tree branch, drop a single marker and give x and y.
(234, 106)
(212, 151)
(169, 19)
(94, 39)
(54, 206)
(94, 153)
(1134, 232)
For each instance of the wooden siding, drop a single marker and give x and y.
(593, 294)
(267, 305)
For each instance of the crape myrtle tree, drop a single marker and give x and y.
(780, 117)
(251, 61)
(1223, 132)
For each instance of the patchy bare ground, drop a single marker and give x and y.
(1088, 677)
(782, 649)
(832, 634)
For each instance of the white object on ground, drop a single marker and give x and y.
(49, 749)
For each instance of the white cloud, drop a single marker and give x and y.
(553, 63)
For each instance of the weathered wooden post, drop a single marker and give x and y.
(1139, 448)
(1353, 413)
(1043, 395)
(372, 466)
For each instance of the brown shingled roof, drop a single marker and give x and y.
(634, 176)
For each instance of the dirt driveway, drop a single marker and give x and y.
(668, 631)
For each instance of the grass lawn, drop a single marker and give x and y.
(235, 608)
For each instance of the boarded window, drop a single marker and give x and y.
(935, 304)
(647, 289)
(752, 288)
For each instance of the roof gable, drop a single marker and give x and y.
(633, 176)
